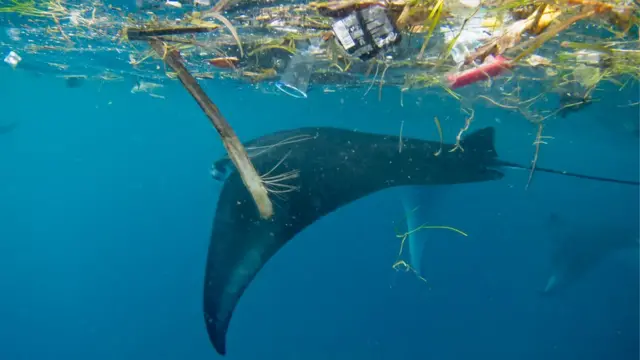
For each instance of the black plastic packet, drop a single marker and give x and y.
(365, 32)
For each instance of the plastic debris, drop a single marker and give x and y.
(593, 58)
(74, 81)
(146, 87)
(12, 59)
(14, 34)
(469, 37)
(537, 60)
(491, 68)
(587, 76)
(227, 62)
(295, 79)
(175, 4)
(366, 31)
(406, 44)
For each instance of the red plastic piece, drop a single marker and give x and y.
(482, 72)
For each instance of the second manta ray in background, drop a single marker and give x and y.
(577, 253)
(311, 172)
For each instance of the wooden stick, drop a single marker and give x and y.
(235, 149)
(147, 34)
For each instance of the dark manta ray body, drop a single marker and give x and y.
(335, 167)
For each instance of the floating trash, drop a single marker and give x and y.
(366, 31)
(74, 81)
(295, 79)
(175, 4)
(12, 59)
(491, 68)
(456, 48)
(14, 34)
(537, 60)
(227, 62)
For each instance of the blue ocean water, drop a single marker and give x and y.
(106, 207)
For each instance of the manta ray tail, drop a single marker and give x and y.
(567, 173)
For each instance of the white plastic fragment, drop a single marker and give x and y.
(13, 34)
(203, 2)
(467, 40)
(537, 60)
(470, 3)
(74, 17)
(147, 87)
(12, 59)
(174, 3)
(469, 37)
(589, 57)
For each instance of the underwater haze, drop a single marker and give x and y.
(107, 203)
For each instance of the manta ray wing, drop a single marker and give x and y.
(334, 167)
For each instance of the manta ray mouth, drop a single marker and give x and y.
(220, 170)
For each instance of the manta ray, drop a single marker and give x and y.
(311, 172)
(575, 255)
